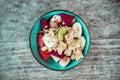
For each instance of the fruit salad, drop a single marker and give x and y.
(61, 39)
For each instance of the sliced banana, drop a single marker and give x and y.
(83, 41)
(77, 29)
(64, 62)
(48, 40)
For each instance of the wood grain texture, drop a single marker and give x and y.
(17, 18)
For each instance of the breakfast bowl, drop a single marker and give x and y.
(49, 58)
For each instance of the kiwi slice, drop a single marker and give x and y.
(61, 33)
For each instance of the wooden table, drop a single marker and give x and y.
(17, 18)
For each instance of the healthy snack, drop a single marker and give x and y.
(61, 39)
(61, 33)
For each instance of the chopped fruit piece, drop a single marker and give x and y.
(55, 21)
(61, 33)
(44, 54)
(64, 62)
(56, 54)
(56, 59)
(44, 24)
(44, 48)
(48, 40)
(40, 41)
(83, 41)
(67, 19)
(77, 28)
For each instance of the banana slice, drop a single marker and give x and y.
(77, 29)
(48, 40)
(64, 62)
(83, 41)
(56, 59)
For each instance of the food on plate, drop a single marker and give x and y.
(44, 24)
(61, 33)
(67, 19)
(83, 41)
(44, 54)
(55, 53)
(40, 41)
(56, 59)
(64, 62)
(61, 39)
(77, 28)
(44, 48)
(55, 20)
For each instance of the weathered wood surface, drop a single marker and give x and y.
(17, 18)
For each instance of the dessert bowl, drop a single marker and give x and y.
(50, 63)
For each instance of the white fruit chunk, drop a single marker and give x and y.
(64, 62)
(77, 28)
(56, 59)
(47, 40)
(55, 20)
(83, 41)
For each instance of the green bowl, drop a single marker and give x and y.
(50, 63)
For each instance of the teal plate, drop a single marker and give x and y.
(50, 63)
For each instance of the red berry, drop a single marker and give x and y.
(67, 19)
(44, 24)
